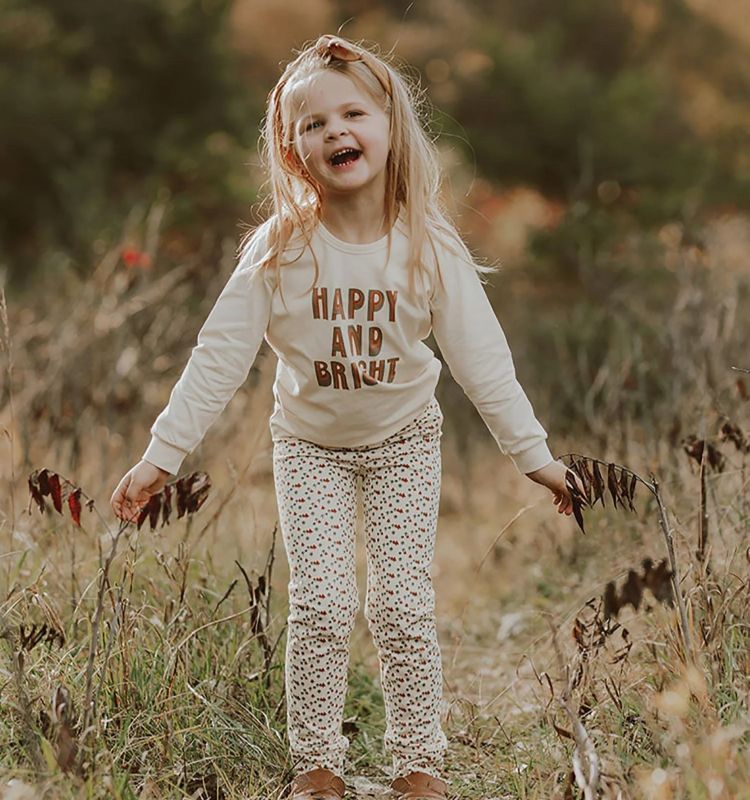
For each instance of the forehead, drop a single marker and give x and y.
(323, 92)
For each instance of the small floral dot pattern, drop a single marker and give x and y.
(316, 492)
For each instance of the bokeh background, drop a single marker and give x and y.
(597, 151)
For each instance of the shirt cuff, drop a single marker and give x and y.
(533, 459)
(164, 455)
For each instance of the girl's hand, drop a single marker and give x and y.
(553, 477)
(135, 489)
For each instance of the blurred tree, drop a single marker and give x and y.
(105, 103)
(582, 103)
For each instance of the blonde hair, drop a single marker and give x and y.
(413, 173)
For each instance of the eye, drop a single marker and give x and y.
(310, 125)
(356, 113)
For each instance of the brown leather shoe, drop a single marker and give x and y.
(420, 786)
(317, 784)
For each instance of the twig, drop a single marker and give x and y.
(103, 581)
(664, 524)
(585, 759)
(9, 432)
(703, 522)
(114, 630)
(17, 660)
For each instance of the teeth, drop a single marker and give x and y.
(345, 150)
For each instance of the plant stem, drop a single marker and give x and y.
(675, 572)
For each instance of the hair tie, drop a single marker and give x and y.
(329, 47)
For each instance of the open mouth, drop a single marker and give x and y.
(343, 158)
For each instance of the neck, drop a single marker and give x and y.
(353, 217)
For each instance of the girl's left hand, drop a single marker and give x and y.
(553, 477)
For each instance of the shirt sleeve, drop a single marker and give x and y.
(476, 350)
(219, 364)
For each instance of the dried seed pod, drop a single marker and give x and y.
(43, 483)
(191, 492)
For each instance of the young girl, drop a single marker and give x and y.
(353, 269)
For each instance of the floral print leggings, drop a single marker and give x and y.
(316, 496)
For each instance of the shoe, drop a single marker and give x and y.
(317, 784)
(420, 786)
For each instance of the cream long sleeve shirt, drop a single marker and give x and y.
(352, 365)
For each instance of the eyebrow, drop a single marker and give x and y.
(343, 105)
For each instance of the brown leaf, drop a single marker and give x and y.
(154, 509)
(35, 492)
(578, 634)
(199, 485)
(598, 484)
(715, 458)
(588, 480)
(693, 446)
(625, 483)
(74, 504)
(578, 515)
(166, 505)
(659, 582)
(55, 491)
(44, 486)
(632, 591)
(732, 433)
(66, 747)
(612, 483)
(573, 485)
(190, 492)
(631, 491)
(611, 601)
(561, 732)
(32, 635)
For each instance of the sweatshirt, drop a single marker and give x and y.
(353, 367)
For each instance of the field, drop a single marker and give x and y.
(148, 663)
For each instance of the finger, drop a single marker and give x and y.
(119, 492)
(133, 491)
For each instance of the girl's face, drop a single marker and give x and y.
(341, 134)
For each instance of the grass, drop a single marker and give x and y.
(187, 702)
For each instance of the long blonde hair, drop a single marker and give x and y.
(413, 173)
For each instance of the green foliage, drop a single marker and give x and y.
(581, 106)
(105, 103)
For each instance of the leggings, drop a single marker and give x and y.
(316, 497)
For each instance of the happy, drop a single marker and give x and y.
(344, 303)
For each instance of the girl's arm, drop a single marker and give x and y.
(474, 346)
(227, 346)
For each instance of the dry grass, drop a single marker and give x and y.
(543, 695)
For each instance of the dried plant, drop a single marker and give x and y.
(621, 483)
(658, 580)
(260, 600)
(695, 448)
(31, 636)
(189, 492)
(45, 483)
(59, 728)
(708, 456)
(586, 763)
(732, 433)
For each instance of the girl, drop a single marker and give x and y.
(354, 267)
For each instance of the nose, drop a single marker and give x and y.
(337, 128)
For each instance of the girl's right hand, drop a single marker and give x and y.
(135, 489)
